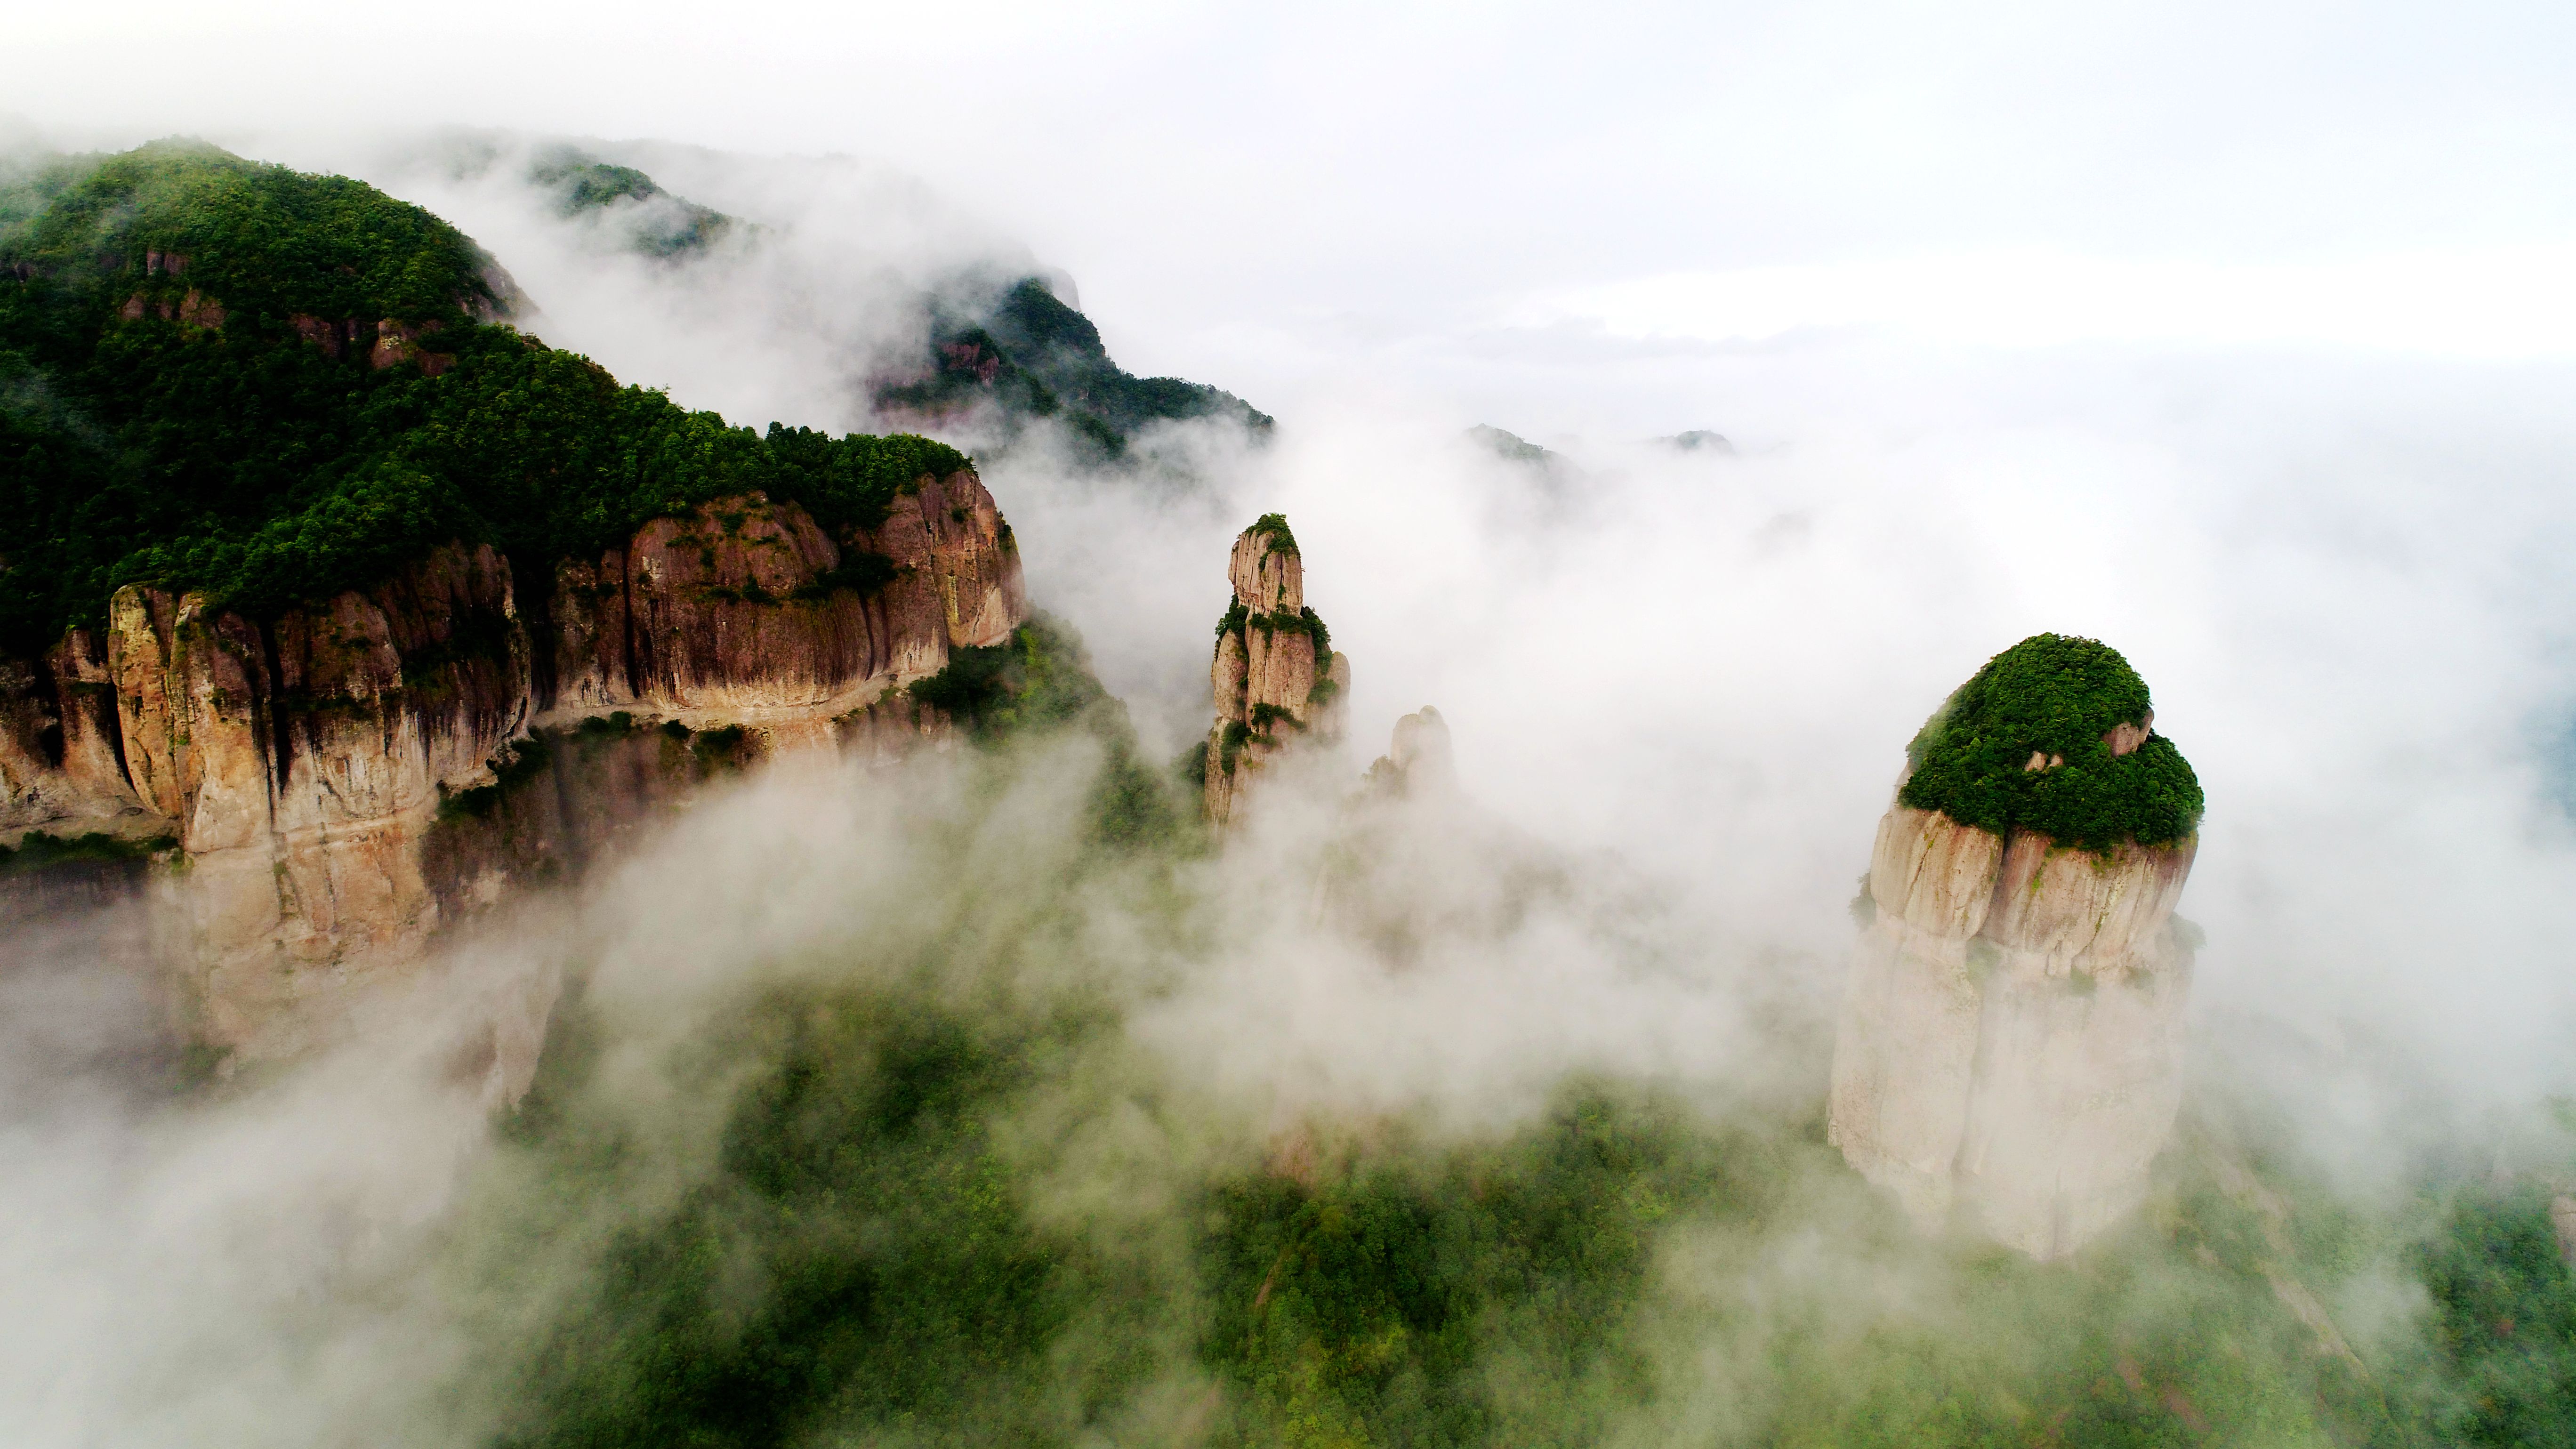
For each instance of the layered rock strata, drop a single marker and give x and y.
(2009, 1041)
(308, 764)
(1276, 681)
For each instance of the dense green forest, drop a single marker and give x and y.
(254, 449)
(932, 1188)
(2054, 697)
(931, 1184)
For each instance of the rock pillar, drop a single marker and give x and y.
(1276, 680)
(2009, 1042)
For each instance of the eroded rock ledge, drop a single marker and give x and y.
(304, 763)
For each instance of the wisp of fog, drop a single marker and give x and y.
(1679, 682)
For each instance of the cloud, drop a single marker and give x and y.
(1679, 687)
(2470, 303)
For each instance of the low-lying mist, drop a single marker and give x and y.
(892, 1105)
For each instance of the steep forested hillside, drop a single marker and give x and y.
(228, 376)
(1033, 356)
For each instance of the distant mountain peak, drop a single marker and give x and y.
(1509, 445)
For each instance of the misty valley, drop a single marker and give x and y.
(535, 911)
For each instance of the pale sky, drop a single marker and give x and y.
(1484, 197)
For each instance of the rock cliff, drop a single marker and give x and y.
(1270, 691)
(328, 772)
(1418, 763)
(2009, 1040)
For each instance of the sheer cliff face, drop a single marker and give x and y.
(2008, 1045)
(729, 612)
(302, 762)
(1269, 691)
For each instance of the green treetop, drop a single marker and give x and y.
(2053, 699)
(1272, 529)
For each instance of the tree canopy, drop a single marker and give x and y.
(259, 451)
(2053, 698)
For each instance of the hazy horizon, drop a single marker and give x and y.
(2243, 341)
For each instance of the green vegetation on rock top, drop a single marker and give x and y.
(246, 460)
(2055, 697)
(1272, 528)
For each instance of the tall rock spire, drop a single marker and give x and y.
(2008, 1045)
(1276, 678)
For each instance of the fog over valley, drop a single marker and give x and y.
(1888, 754)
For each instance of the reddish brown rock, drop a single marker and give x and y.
(396, 343)
(27, 775)
(143, 660)
(720, 616)
(304, 761)
(199, 310)
(958, 580)
(738, 606)
(93, 746)
(399, 342)
(1268, 692)
(319, 331)
(590, 644)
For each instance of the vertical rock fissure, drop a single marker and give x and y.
(532, 588)
(280, 725)
(51, 743)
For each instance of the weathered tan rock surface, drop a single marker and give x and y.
(2009, 1041)
(1268, 690)
(1418, 763)
(313, 766)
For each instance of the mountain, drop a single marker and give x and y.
(962, 337)
(2010, 1039)
(304, 551)
(338, 610)
(656, 223)
(1029, 355)
(1511, 446)
(1699, 440)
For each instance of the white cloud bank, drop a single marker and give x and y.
(2484, 303)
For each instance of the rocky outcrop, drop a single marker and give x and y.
(1270, 692)
(308, 763)
(1417, 764)
(745, 610)
(61, 750)
(301, 761)
(2009, 1039)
